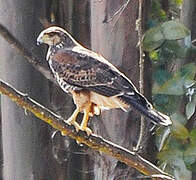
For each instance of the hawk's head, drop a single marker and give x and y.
(54, 36)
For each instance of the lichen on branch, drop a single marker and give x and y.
(95, 142)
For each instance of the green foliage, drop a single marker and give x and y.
(173, 89)
(178, 82)
(170, 30)
(157, 14)
(190, 109)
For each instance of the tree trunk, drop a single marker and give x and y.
(116, 39)
(26, 152)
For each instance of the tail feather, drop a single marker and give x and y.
(140, 103)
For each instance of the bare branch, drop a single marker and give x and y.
(118, 13)
(24, 52)
(141, 67)
(95, 142)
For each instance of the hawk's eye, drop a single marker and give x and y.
(51, 34)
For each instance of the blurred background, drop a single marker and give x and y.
(32, 150)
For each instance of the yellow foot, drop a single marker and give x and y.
(76, 125)
(88, 130)
(72, 119)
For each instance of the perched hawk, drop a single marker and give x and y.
(93, 81)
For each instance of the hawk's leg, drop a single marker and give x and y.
(84, 123)
(72, 119)
(83, 103)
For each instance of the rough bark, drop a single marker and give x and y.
(116, 39)
(26, 152)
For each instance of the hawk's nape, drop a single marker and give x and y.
(92, 80)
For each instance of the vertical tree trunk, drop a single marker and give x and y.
(26, 154)
(116, 39)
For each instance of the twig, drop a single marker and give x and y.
(95, 142)
(118, 13)
(141, 67)
(24, 52)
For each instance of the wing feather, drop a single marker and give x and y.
(89, 73)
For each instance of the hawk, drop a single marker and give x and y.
(93, 82)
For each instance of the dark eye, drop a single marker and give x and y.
(51, 34)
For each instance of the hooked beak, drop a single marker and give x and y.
(39, 39)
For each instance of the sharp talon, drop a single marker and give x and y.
(74, 123)
(77, 126)
(88, 131)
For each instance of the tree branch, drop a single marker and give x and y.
(117, 13)
(141, 68)
(14, 43)
(95, 142)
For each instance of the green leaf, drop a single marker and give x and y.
(160, 99)
(194, 98)
(152, 39)
(180, 171)
(192, 135)
(161, 138)
(172, 50)
(169, 155)
(166, 103)
(190, 154)
(176, 85)
(178, 129)
(179, 118)
(174, 30)
(154, 55)
(193, 167)
(170, 30)
(188, 71)
(173, 86)
(179, 2)
(189, 83)
(161, 76)
(190, 109)
(175, 163)
(175, 143)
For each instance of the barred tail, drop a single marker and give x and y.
(139, 102)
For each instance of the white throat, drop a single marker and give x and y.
(48, 53)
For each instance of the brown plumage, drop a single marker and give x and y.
(94, 83)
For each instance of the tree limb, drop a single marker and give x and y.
(14, 43)
(95, 142)
(141, 68)
(117, 13)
